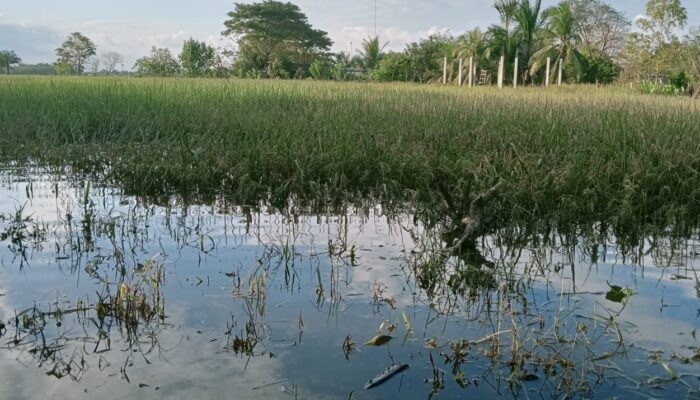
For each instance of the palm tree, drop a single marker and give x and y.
(562, 40)
(503, 37)
(528, 33)
(475, 44)
(371, 53)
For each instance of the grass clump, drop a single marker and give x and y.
(567, 157)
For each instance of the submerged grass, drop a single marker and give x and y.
(573, 156)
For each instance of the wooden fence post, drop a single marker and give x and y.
(561, 68)
(461, 71)
(471, 71)
(500, 72)
(444, 71)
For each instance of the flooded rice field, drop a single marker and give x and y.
(108, 295)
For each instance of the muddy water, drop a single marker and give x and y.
(104, 295)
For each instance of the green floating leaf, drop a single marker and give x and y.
(379, 340)
(618, 294)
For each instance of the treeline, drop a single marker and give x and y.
(591, 41)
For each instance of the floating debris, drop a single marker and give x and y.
(379, 340)
(386, 375)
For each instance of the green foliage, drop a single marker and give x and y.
(393, 67)
(275, 39)
(599, 69)
(680, 81)
(321, 70)
(75, 52)
(160, 63)
(8, 58)
(197, 58)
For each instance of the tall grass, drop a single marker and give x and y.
(569, 156)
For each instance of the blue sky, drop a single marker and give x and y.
(34, 28)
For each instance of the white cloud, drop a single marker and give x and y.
(396, 37)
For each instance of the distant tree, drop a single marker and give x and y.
(94, 64)
(371, 53)
(503, 38)
(34, 69)
(274, 39)
(426, 57)
(196, 58)
(654, 50)
(159, 63)
(8, 58)
(662, 18)
(75, 52)
(561, 42)
(691, 56)
(528, 33)
(111, 60)
(601, 28)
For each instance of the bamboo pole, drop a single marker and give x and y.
(461, 71)
(515, 74)
(546, 82)
(444, 71)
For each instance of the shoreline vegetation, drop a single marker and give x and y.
(564, 158)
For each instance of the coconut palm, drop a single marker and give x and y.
(561, 40)
(371, 53)
(503, 40)
(529, 31)
(475, 44)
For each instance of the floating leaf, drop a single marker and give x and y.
(618, 294)
(379, 340)
(406, 321)
(668, 369)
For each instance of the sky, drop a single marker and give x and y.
(35, 28)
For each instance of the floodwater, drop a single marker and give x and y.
(104, 295)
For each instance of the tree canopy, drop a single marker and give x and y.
(7, 59)
(75, 52)
(160, 63)
(275, 39)
(196, 58)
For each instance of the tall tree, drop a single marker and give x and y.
(111, 60)
(196, 58)
(562, 41)
(601, 28)
(159, 63)
(75, 52)
(8, 58)
(528, 33)
(662, 19)
(274, 38)
(653, 51)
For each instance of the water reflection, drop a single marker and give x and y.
(108, 295)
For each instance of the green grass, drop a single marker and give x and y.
(568, 156)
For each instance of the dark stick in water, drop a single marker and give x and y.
(386, 375)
